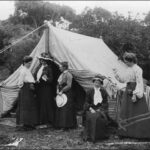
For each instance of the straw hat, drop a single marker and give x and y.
(99, 78)
(61, 100)
(44, 56)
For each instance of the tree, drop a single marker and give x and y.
(4, 41)
(37, 11)
(12, 57)
(91, 22)
(120, 33)
(17, 52)
(147, 19)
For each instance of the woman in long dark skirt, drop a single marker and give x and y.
(27, 114)
(134, 115)
(45, 91)
(96, 111)
(65, 115)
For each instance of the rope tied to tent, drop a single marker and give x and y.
(14, 43)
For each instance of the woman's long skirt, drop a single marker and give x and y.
(27, 113)
(66, 116)
(95, 126)
(45, 97)
(134, 118)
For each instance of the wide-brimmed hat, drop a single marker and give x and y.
(99, 78)
(44, 56)
(61, 100)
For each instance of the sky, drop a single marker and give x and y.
(122, 7)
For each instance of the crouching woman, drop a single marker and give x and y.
(27, 116)
(96, 108)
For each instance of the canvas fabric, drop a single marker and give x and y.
(87, 56)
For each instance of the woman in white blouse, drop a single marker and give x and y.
(134, 118)
(27, 116)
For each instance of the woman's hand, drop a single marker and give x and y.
(44, 77)
(98, 110)
(32, 87)
(134, 98)
(20, 86)
(60, 93)
(92, 110)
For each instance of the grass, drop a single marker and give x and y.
(58, 139)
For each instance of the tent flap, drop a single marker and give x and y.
(87, 56)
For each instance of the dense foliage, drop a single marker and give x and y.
(118, 32)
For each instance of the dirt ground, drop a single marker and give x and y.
(58, 139)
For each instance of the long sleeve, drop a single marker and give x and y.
(50, 75)
(121, 77)
(26, 76)
(21, 77)
(139, 89)
(36, 72)
(87, 104)
(48, 72)
(105, 100)
(68, 83)
(39, 73)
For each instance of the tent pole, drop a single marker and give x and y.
(47, 40)
(48, 45)
(1, 102)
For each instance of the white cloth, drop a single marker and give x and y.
(61, 100)
(97, 96)
(40, 73)
(25, 76)
(133, 74)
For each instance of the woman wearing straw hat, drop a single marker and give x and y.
(44, 89)
(27, 114)
(134, 118)
(96, 108)
(65, 112)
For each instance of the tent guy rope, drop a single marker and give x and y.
(14, 43)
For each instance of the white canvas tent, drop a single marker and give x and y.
(87, 56)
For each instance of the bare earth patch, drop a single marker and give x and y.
(58, 139)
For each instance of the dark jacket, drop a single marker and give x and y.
(46, 71)
(89, 102)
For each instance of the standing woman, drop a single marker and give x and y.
(65, 114)
(45, 94)
(134, 115)
(27, 115)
